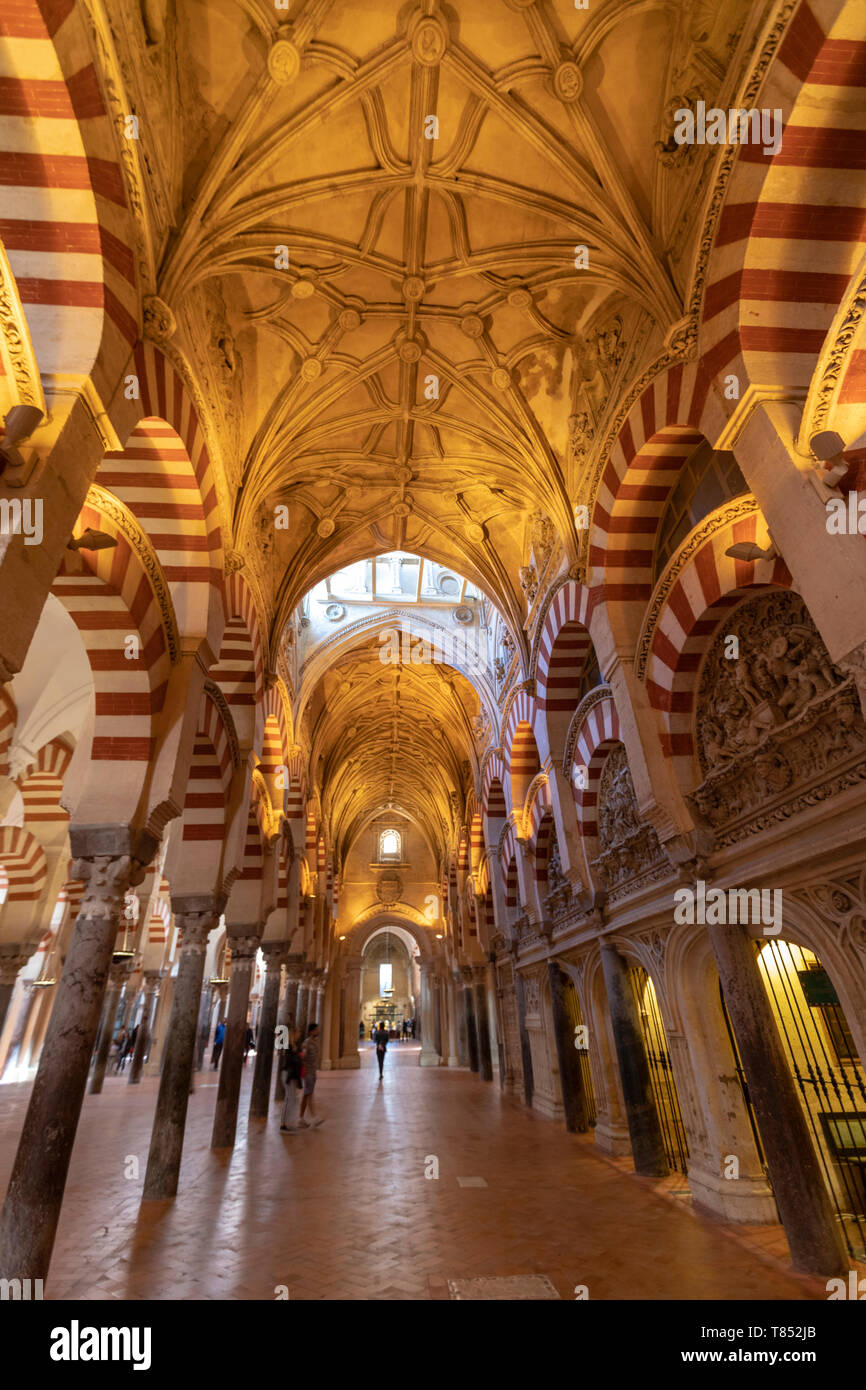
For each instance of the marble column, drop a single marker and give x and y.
(203, 1030)
(274, 953)
(32, 1209)
(288, 1014)
(117, 978)
(195, 916)
(460, 1021)
(303, 1001)
(350, 1003)
(436, 991)
(142, 1037)
(451, 997)
(17, 1039)
(429, 1056)
(795, 1172)
(10, 966)
(482, 1023)
(570, 1074)
(469, 1015)
(647, 1144)
(525, 1045)
(245, 943)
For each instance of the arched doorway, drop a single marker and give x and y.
(664, 1086)
(828, 1072)
(389, 980)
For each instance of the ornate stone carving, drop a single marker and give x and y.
(629, 848)
(389, 888)
(160, 323)
(733, 511)
(528, 583)
(107, 878)
(111, 506)
(782, 667)
(16, 349)
(777, 729)
(843, 902)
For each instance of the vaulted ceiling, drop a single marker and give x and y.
(403, 245)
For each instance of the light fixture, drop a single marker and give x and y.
(439, 936)
(342, 938)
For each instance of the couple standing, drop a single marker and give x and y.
(300, 1067)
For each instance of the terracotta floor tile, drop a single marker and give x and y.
(345, 1211)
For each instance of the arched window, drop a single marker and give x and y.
(390, 844)
(710, 478)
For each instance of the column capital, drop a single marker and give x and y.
(466, 972)
(244, 943)
(150, 980)
(10, 965)
(119, 971)
(196, 925)
(275, 953)
(107, 879)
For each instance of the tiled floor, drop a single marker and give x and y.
(346, 1212)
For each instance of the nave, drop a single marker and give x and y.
(345, 1211)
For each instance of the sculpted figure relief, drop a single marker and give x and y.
(781, 668)
(778, 726)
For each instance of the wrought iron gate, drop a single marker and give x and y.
(829, 1076)
(572, 1003)
(661, 1071)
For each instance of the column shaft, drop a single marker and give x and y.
(795, 1172)
(274, 957)
(195, 917)
(32, 1209)
(647, 1144)
(570, 1075)
(244, 949)
(109, 1014)
(485, 1059)
(525, 1045)
(142, 1037)
(471, 1030)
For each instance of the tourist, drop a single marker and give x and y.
(292, 1069)
(311, 1053)
(219, 1039)
(249, 1043)
(361, 1030)
(381, 1046)
(120, 1046)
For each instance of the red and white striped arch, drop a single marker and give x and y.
(165, 477)
(793, 225)
(240, 668)
(476, 842)
(195, 861)
(26, 868)
(8, 720)
(64, 215)
(706, 589)
(644, 464)
(494, 807)
(508, 851)
(109, 596)
(463, 851)
(596, 736)
(245, 901)
(563, 647)
(42, 786)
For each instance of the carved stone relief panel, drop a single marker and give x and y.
(778, 726)
(630, 850)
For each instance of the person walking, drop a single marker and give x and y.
(311, 1053)
(249, 1043)
(120, 1045)
(219, 1039)
(381, 1039)
(292, 1068)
